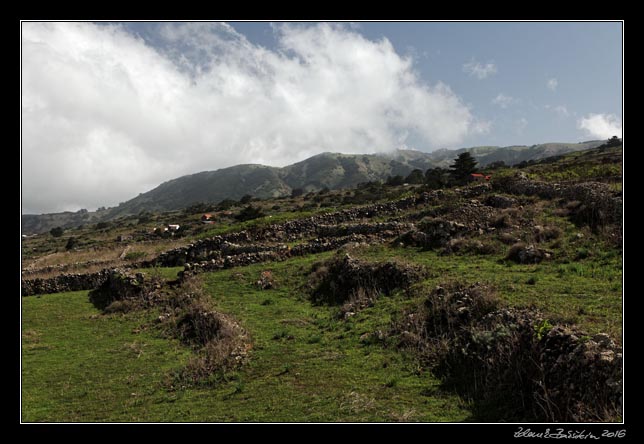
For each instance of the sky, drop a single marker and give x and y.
(112, 109)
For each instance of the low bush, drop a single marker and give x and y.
(336, 281)
(513, 363)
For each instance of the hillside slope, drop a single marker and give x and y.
(330, 170)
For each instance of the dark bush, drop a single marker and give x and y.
(199, 324)
(247, 198)
(395, 180)
(473, 246)
(72, 242)
(544, 234)
(513, 363)
(525, 254)
(249, 213)
(508, 238)
(56, 231)
(336, 281)
(415, 177)
(297, 192)
(226, 204)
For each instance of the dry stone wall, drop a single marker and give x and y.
(606, 204)
(64, 282)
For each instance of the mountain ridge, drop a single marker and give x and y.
(330, 170)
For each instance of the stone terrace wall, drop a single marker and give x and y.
(64, 282)
(595, 195)
(326, 225)
(280, 253)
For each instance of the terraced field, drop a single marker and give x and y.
(555, 250)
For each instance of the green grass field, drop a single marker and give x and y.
(306, 365)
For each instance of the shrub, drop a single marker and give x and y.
(501, 221)
(120, 306)
(134, 255)
(297, 192)
(200, 324)
(512, 362)
(56, 231)
(582, 253)
(226, 204)
(71, 243)
(340, 279)
(507, 238)
(450, 307)
(249, 213)
(395, 180)
(247, 198)
(543, 234)
(474, 246)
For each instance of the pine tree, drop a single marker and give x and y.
(463, 166)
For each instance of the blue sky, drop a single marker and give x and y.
(118, 108)
(585, 58)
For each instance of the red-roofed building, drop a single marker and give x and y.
(478, 177)
(207, 219)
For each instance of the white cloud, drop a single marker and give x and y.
(106, 116)
(561, 111)
(552, 84)
(481, 127)
(479, 70)
(601, 126)
(503, 101)
(521, 125)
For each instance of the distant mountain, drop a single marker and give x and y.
(331, 170)
(511, 154)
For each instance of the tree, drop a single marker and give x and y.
(249, 213)
(394, 181)
(71, 243)
(226, 204)
(436, 178)
(463, 166)
(415, 177)
(496, 165)
(522, 164)
(296, 192)
(614, 141)
(56, 231)
(246, 198)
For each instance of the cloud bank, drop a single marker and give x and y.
(601, 126)
(107, 115)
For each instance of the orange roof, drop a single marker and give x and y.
(476, 175)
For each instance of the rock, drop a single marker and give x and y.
(497, 201)
(266, 281)
(527, 254)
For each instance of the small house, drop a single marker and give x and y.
(478, 177)
(207, 219)
(173, 227)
